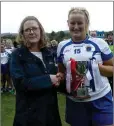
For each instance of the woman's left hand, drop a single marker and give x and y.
(106, 70)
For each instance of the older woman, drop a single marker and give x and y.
(86, 62)
(34, 76)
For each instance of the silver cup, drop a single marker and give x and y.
(82, 92)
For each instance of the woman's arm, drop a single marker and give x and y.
(61, 73)
(22, 82)
(106, 69)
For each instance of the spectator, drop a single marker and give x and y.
(34, 77)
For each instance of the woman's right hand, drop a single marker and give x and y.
(55, 80)
(60, 76)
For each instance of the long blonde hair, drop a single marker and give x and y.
(43, 37)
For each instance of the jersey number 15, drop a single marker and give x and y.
(77, 51)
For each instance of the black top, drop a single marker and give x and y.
(36, 98)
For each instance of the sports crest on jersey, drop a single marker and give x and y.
(88, 48)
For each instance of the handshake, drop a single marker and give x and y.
(55, 79)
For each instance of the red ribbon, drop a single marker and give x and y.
(76, 78)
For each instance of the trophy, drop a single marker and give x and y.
(78, 71)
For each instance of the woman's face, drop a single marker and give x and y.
(93, 34)
(2, 48)
(77, 26)
(31, 31)
(8, 45)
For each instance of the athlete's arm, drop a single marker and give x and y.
(61, 68)
(106, 69)
(61, 71)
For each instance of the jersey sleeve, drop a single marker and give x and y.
(106, 52)
(59, 53)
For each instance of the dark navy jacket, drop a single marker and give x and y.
(36, 98)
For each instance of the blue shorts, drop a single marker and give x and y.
(97, 112)
(4, 68)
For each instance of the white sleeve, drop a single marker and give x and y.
(106, 53)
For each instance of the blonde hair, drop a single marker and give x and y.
(54, 43)
(9, 42)
(43, 37)
(48, 44)
(80, 10)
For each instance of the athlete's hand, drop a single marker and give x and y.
(60, 76)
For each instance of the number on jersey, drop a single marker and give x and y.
(77, 51)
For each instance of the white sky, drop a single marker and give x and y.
(53, 15)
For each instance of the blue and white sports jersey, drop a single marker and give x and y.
(84, 51)
(4, 58)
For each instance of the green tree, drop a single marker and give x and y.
(52, 35)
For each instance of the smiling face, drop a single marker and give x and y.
(77, 26)
(31, 31)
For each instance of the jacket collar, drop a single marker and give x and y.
(45, 51)
(27, 55)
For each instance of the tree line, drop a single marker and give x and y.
(58, 36)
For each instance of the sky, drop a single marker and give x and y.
(53, 15)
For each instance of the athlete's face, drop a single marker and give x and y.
(77, 26)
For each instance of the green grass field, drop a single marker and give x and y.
(8, 109)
